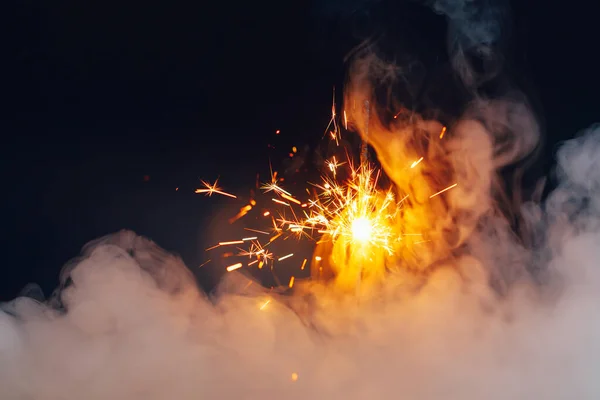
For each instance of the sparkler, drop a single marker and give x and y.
(349, 212)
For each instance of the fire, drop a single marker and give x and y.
(362, 229)
(355, 220)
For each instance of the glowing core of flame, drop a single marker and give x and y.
(362, 229)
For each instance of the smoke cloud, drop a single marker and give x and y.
(484, 317)
(130, 324)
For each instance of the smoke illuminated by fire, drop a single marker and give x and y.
(420, 287)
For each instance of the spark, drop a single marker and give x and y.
(204, 263)
(243, 211)
(333, 165)
(257, 231)
(234, 267)
(359, 216)
(266, 303)
(272, 186)
(414, 164)
(290, 198)
(443, 132)
(231, 242)
(285, 257)
(281, 202)
(294, 376)
(443, 190)
(214, 188)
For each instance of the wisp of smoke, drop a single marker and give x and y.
(483, 316)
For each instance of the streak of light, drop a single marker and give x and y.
(266, 303)
(442, 132)
(234, 267)
(274, 238)
(303, 264)
(243, 211)
(214, 188)
(257, 231)
(290, 198)
(285, 257)
(291, 284)
(281, 202)
(443, 190)
(414, 164)
(231, 242)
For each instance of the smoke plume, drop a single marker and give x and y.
(484, 316)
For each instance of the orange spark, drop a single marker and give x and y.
(234, 267)
(266, 213)
(243, 211)
(281, 202)
(345, 120)
(442, 132)
(285, 257)
(231, 242)
(275, 237)
(214, 188)
(443, 190)
(291, 284)
(265, 304)
(303, 264)
(257, 231)
(414, 164)
(290, 198)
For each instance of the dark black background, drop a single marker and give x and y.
(100, 94)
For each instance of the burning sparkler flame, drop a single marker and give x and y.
(359, 225)
(361, 229)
